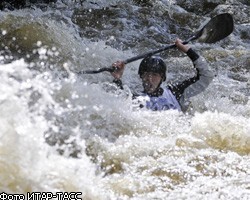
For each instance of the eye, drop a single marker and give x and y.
(145, 74)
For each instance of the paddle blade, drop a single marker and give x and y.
(217, 28)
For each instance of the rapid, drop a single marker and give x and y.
(63, 132)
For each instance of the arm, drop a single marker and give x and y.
(117, 74)
(196, 84)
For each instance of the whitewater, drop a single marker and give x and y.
(63, 132)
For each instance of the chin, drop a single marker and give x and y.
(149, 91)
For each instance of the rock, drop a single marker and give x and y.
(199, 7)
(11, 4)
(18, 4)
(246, 2)
(143, 2)
(237, 77)
(240, 12)
(242, 64)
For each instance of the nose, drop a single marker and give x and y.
(148, 77)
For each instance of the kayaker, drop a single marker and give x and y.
(152, 71)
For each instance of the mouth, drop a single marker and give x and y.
(148, 87)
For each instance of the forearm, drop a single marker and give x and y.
(201, 80)
(119, 67)
(196, 84)
(118, 82)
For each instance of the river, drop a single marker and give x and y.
(63, 132)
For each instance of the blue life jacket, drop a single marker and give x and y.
(164, 102)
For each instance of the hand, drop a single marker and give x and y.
(180, 46)
(119, 67)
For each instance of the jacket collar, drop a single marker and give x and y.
(158, 92)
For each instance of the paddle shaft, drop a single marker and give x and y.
(216, 29)
(150, 53)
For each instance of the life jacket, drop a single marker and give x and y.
(165, 101)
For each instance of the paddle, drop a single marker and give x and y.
(216, 29)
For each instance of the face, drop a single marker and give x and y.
(151, 81)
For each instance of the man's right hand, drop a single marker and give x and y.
(119, 67)
(180, 46)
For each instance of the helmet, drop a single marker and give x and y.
(153, 64)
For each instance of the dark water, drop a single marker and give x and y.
(64, 132)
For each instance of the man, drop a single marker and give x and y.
(152, 71)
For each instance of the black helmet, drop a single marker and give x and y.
(153, 64)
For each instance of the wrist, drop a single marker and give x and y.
(186, 49)
(192, 54)
(118, 82)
